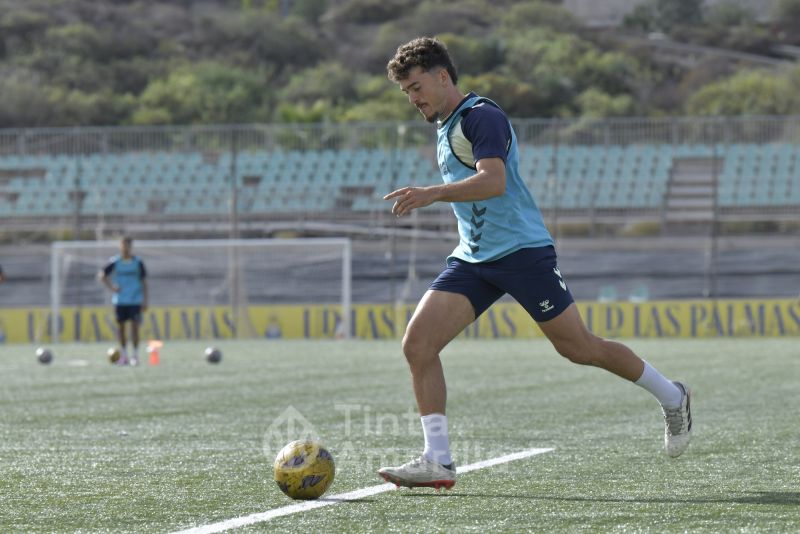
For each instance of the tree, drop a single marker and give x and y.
(728, 14)
(786, 14)
(674, 13)
(257, 37)
(730, 25)
(642, 18)
(79, 108)
(665, 15)
(611, 72)
(545, 58)
(309, 10)
(752, 92)
(519, 99)
(77, 39)
(24, 102)
(301, 112)
(558, 67)
(377, 100)
(366, 11)
(207, 93)
(594, 103)
(473, 55)
(525, 15)
(20, 28)
(331, 81)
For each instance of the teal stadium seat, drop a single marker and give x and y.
(579, 177)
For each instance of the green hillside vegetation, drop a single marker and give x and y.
(147, 62)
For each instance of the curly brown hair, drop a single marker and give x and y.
(425, 52)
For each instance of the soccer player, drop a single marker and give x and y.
(2, 276)
(504, 247)
(126, 277)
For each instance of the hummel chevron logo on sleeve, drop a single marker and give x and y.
(476, 224)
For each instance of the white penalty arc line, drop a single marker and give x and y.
(344, 497)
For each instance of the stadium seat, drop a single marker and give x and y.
(573, 176)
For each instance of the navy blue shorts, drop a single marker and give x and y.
(530, 275)
(128, 313)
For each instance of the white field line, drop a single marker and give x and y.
(343, 497)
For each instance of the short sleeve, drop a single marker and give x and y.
(487, 128)
(109, 267)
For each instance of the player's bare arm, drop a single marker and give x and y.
(106, 281)
(144, 295)
(488, 182)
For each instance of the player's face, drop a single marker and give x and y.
(426, 90)
(125, 248)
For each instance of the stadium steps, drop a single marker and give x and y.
(689, 199)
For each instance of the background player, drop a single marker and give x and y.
(126, 277)
(504, 247)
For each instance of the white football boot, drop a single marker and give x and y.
(420, 472)
(678, 424)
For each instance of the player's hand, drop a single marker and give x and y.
(115, 289)
(143, 307)
(407, 199)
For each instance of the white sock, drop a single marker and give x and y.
(667, 393)
(437, 443)
(124, 353)
(135, 353)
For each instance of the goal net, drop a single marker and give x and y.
(209, 288)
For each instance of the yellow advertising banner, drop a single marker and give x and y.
(679, 318)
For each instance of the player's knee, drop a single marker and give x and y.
(412, 346)
(578, 352)
(573, 355)
(415, 349)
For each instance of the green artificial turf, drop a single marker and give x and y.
(89, 447)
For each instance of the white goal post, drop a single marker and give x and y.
(228, 272)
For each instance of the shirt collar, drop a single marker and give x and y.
(441, 122)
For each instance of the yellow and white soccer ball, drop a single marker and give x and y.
(113, 354)
(304, 469)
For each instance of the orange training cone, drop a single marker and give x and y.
(153, 347)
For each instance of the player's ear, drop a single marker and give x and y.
(444, 76)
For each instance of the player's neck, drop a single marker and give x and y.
(454, 98)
